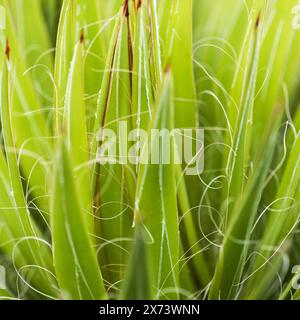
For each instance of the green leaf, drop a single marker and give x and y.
(72, 247)
(137, 285)
(75, 132)
(176, 30)
(78, 18)
(114, 182)
(156, 204)
(66, 36)
(34, 41)
(29, 125)
(233, 253)
(15, 219)
(280, 224)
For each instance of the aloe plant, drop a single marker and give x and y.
(75, 227)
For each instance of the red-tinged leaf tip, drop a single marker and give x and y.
(7, 50)
(257, 22)
(125, 9)
(139, 4)
(81, 36)
(167, 68)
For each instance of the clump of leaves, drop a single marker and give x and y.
(72, 227)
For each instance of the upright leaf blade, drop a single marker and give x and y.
(137, 285)
(75, 130)
(75, 260)
(160, 217)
